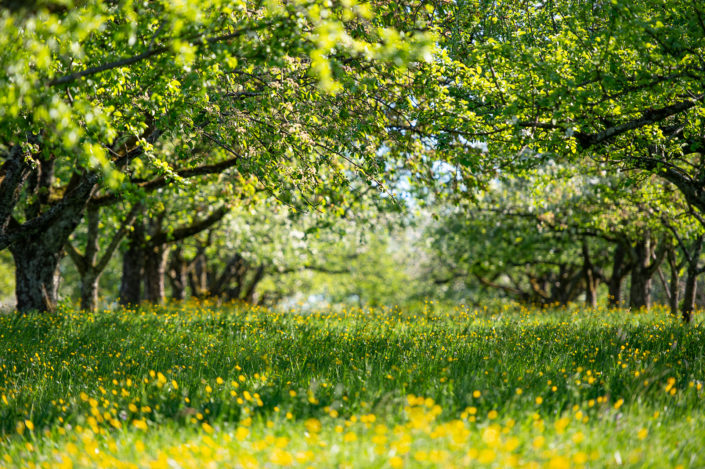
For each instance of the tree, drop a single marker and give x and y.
(146, 259)
(266, 252)
(102, 101)
(92, 262)
(560, 232)
(618, 82)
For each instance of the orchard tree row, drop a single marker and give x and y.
(559, 144)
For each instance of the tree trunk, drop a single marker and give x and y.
(256, 279)
(645, 265)
(640, 290)
(178, 275)
(89, 277)
(89, 291)
(132, 267)
(154, 273)
(198, 277)
(37, 246)
(691, 287)
(590, 279)
(674, 283)
(36, 275)
(590, 291)
(38, 251)
(619, 270)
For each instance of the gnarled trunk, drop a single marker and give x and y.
(646, 262)
(620, 268)
(89, 291)
(691, 288)
(674, 283)
(38, 250)
(154, 270)
(178, 274)
(691, 285)
(589, 277)
(640, 290)
(36, 275)
(132, 268)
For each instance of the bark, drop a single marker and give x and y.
(154, 273)
(89, 277)
(36, 275)
(640, 290)
(589, 278)
(39, 185)
(178, 274)
(691, 287)
(13, 174)
(89, 292)
(674, 283)
(37, 246)
(646, 261)
(132, 267)
(620, 268)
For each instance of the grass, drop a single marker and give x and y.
(196, 384)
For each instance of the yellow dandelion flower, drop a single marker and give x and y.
(538, 442)
(141, 424)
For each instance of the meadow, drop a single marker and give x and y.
(213, 386)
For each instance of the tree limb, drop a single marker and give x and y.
(186, 231)
(161, 181)
(150, 52)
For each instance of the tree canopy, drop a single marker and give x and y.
(556, 131)
(105, 101)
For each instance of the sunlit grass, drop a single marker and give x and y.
(196, 384)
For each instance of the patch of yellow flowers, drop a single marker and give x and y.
(420, 439)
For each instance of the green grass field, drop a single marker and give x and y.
(199, 385)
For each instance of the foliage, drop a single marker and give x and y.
(519, 84)
(99, 72)
(108, 101)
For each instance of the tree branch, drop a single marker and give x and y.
(161, 181)
(648, 117)
(115, 242)
(150, 52)
(78, 260)
(190, 230)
